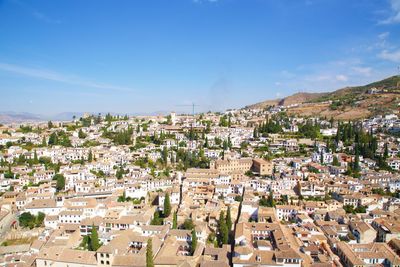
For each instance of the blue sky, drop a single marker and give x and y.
(154, 55)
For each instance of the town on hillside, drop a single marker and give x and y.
(244, 187)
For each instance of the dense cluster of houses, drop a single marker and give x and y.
(291, 200)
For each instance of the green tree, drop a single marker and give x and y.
(120, 173)
(50, 125)
(39, 219)
(225, 145)
(164, 155)
(156, 219)
(349, 208)
(386, 151)
(223, 122)
(335, 161)
(44, 143)
(309, 130)
(35, 158)
(263, 202)
(85, 243)
(53, 139)
(285, 199)
(239, 198)
(229, 219)
(122, 198)
(188, 224)
(270, 200)
(90, 156)
(26, 219)
(81, 134)
(60, 181)
(255, 132)
(357, 160)
(206, 142)
(175, 221)
(360, 209)
(223, 233)
(167, 205)
(94, 239)
(149, 253)
(194, 242)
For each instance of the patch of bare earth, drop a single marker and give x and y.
(323, 110)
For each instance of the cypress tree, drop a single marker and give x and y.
(156, 219)
(44, 143)
(94, 239)
(386, 151)
(149, 253)
(225, 145)
(229, 219)
(223, 233)
(322, 157)
(90, 156)
(53, 139)
(271, 201)
(35, 158)
(194, 242)
(335, 161)
(357, 160)
(175, 221)
(167, 205)
(206, 143)
(60, 182)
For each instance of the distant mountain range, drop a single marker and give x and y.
(347, 103)
(17, 117)
(7, 117)
(24, 117)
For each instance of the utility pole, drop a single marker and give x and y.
(193, 105)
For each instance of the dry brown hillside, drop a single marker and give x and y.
(346, 104)
(287, 101)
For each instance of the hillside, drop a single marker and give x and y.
(347, 103)
(388, 85)
(287, 101)
(15, 117)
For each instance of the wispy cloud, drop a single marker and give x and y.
(390, 55)
(59, 77)
(327, 76)
(342, 78)
(35, 13)
(384, 49)
(365, 71)
(205, 1)
(394, 13)
(384, 35)
(40, 16)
